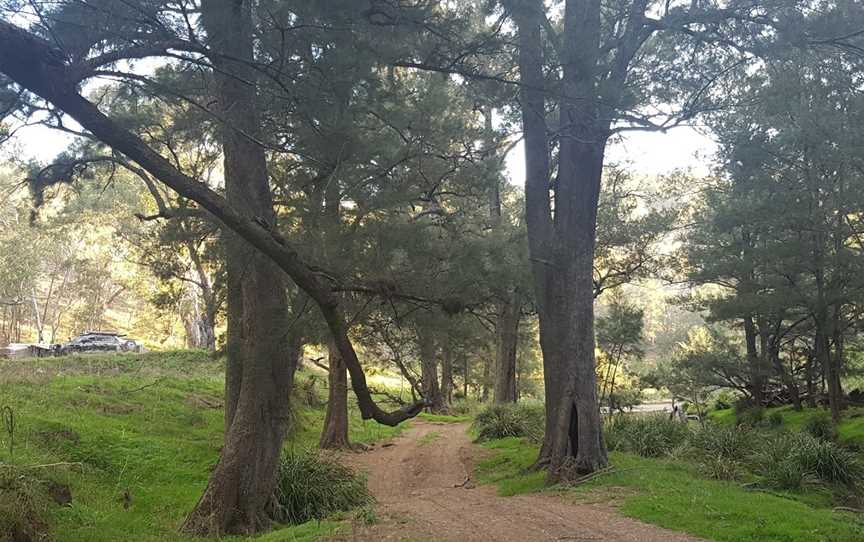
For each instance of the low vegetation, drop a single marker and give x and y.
(132, 438)
(676, 494)
(510, 420)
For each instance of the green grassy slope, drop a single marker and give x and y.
(672, 494)
(147, 426)
(850, 430)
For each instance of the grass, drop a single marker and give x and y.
(673, 495)
(149, 426)
(850, 430)
(445, 418)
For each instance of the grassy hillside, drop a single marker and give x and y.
(850, 430)
(133, 437)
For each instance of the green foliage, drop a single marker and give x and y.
(749, 415)
(509, 468)
(316, 486)
(789, 461)
(821, 426)
(723, 400)
(159, 443)
(669, 493)
(24, 506)
(775, 419)
(651, 435)
(510, 420)
(717, 441)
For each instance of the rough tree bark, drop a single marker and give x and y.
(757, 385)
(429, 372)
(335, 432)
(506, 343)
(447, 373)
(261, 373)
(562, 246)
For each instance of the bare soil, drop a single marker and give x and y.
(424, 486)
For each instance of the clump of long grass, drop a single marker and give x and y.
(652, 435)
(24, 506)
(510, 420)
(315, 486)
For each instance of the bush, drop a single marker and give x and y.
(510, 420)
(724, 400)
(721, 441)
(24, 507)
(775, 419)
(314, 486)
(649, 436)
(821, 426)
(792, 460)
(720, 468)
(752, 416)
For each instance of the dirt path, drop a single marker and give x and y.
(415, 482)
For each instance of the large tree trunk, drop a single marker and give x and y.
(260, 367)
(335, 432)
(562, 249)
(429, 373)
(506, 344)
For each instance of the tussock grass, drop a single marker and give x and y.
(651, 435)
(24, 507)
(314, 486)
(510, 420)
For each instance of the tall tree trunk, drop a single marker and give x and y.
(335, 433)
(261, 361)
(835, 367)
(429, 373)
(447, 372)
(785, 376)
(562, 248)
(823, 355)
(506, 342)
(756, 379)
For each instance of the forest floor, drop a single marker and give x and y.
(424, 483)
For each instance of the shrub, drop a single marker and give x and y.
(792, 460)
(721, 441)
(721, 468)
(510, 420)
(752, 416)
(821, 426)
(649, 436)
(24, 507)
(724, 400)
(315, 486)
(775, 419)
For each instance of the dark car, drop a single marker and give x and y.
(99, 341)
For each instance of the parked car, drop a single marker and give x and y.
(99, 341)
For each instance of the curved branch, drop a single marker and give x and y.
(34, 64)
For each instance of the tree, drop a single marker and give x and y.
(619, 335)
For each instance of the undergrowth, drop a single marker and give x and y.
(510, 420)
(314, 486)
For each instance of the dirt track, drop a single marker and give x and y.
(415, 480)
